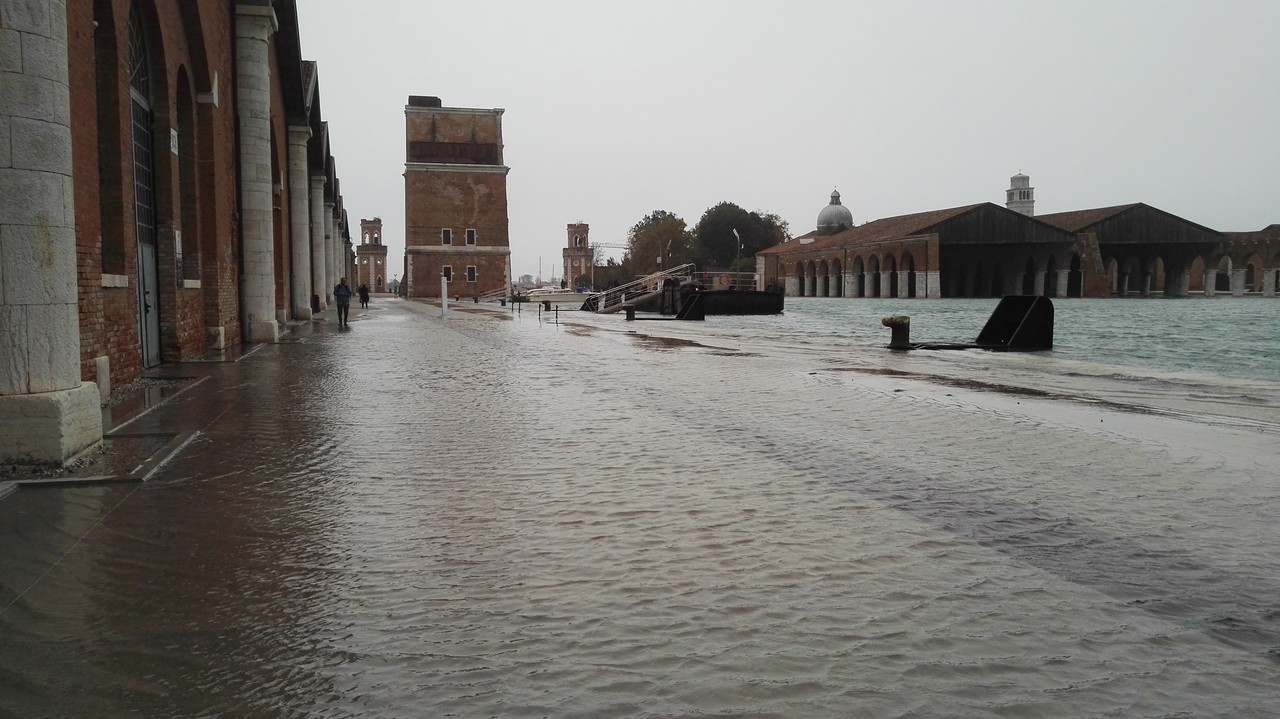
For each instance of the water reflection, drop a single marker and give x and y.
(491, 515)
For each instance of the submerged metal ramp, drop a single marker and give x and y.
(1020, 323)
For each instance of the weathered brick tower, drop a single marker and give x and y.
(371, 256)
(455, 195)
(577, 256)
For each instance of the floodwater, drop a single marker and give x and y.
(502, 514)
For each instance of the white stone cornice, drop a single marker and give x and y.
(454, 250)
(443, 167)
(264, 11)
(455, 110)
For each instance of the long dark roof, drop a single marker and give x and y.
(888, 228)
(1077, 220)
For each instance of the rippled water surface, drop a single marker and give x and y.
(500, 514)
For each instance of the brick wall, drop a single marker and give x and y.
(195, 189)
(427, 268)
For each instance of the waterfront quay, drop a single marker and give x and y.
(507, 512)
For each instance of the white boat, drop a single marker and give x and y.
(556, 296)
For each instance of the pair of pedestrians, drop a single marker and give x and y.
(342, 297)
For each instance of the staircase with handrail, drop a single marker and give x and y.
(647, 287)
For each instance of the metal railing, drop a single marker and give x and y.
(740, 281)
(649, 286)
(496, 295)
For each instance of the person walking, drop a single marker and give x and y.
(363, 291)
(342, 297)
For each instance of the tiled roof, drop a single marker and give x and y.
(888, 228)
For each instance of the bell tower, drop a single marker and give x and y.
(371, 256)
(577, 256)
(1021, 196)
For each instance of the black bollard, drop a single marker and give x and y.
(631, 312)
(901, 326)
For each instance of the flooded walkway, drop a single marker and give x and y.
(497, 515)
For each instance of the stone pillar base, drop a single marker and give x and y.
(266, 331)
(102, 366)
(302, 313)
(216, 338)
(50, 427)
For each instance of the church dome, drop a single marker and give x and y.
(835, 214)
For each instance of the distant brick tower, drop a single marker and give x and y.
(577, 256)
(455, 200)
(371, 256)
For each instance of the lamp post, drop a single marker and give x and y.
(737, 252)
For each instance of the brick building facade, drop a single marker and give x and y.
(186, 192)
(455, 197)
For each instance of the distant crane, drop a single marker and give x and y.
(603, 246)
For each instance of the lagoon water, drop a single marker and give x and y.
(519, 514)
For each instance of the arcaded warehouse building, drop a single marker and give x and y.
(985, 250)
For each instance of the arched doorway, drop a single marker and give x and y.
(144, 204)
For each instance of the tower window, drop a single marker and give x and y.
(471, 237)
(471, 273)
(446, 236)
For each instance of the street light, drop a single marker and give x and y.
(737, 252)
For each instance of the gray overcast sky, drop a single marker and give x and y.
(616, 109)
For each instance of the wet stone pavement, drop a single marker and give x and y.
(499, 514)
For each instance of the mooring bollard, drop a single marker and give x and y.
(546, 305)
(631, 312)
(901, 326)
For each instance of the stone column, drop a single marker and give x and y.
(932, 285)
(1064, 283)
(1210, 281)
(318, 254)
(1237, 282)
(884, 284)
(1015, 280)
(48, 414)
(1177, 282)
(1038, 282)
(330, 251)
(789, 286)
(300, 230)
(904, 288)
(255, 24)
(1269, 282)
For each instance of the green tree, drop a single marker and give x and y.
(659, 241)
(718, 247)
(610, 274)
